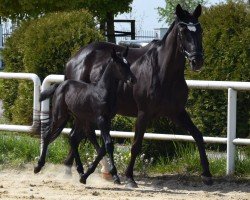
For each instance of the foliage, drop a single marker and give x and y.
(42, 46)
(226, 44)
(167, 13)
(16, 9)
(122, 123)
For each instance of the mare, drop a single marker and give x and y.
(161, 89)
(87, 103)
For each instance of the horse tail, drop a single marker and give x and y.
(49, 92)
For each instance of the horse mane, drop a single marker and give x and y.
(167, 33)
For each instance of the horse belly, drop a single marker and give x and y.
(126, 104)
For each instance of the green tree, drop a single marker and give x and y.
(167, 13)
(104, 10)
(41, 46)
(226, 33)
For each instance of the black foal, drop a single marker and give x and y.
(87, 103)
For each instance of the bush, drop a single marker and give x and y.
(42, 46)
(226, 33)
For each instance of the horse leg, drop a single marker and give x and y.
(185, 121)
(104, 125)
(44, 146)
(70, 158)
(74, 143)
(93, 166)
(49, 135)
(140, 128)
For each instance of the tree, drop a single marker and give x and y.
(226, 33)
(167, 13)
(104, 10)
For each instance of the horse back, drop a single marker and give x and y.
(86, 65)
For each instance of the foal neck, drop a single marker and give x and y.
(108, 79)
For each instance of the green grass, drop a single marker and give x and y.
(17, 149)
(187, 161)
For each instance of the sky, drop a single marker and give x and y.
(146, 15)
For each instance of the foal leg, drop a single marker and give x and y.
(104, 125)
(70, 158)
(49, 135)
(140, 128)
(184, 120)
(92, 167)
(74, 143)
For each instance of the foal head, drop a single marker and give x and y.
(190, 36)
(122, 67)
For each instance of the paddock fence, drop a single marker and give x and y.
(232, 87)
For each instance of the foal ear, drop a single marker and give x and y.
(197, 11)
(179, 12)
(125, 53)
(113, 53)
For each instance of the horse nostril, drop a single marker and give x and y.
(193, 62)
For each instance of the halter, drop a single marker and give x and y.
(191, 27)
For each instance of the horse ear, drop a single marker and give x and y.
(125, 53)
(179, 12)
(197, 11)
(113, 53)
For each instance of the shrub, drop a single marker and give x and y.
(42, 46)
(226, 33)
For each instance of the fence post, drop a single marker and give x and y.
(231, 129)
(1, 43)
(132, 29)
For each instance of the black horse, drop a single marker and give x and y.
(161, 89)
(88, 103)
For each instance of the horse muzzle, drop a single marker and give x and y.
(196, 60)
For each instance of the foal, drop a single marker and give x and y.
(87, 103)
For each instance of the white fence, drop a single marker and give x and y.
(231, 139)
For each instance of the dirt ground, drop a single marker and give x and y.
(52, 184)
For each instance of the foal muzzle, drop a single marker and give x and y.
(131, 81)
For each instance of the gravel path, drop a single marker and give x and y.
(51, 184)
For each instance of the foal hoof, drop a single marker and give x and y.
(117, 180)
(83, 179)
(207, 180)
(37, 169)
(131, 184)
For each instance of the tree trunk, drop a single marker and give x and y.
(110, 27)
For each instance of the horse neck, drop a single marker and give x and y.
(170, 58)
(108, 81)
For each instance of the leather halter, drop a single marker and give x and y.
(188, 55)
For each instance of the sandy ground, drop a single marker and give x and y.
(52, 184)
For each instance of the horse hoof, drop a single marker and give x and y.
(207, 180)
(37, 169)
(106, 176)
(83, 179)
(131, 184)
(117, 181)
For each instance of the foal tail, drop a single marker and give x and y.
(49, 92)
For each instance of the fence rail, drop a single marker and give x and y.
(230, 140)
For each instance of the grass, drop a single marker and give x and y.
(17, 149)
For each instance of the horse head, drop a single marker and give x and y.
(122, 67)
(190, 36)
